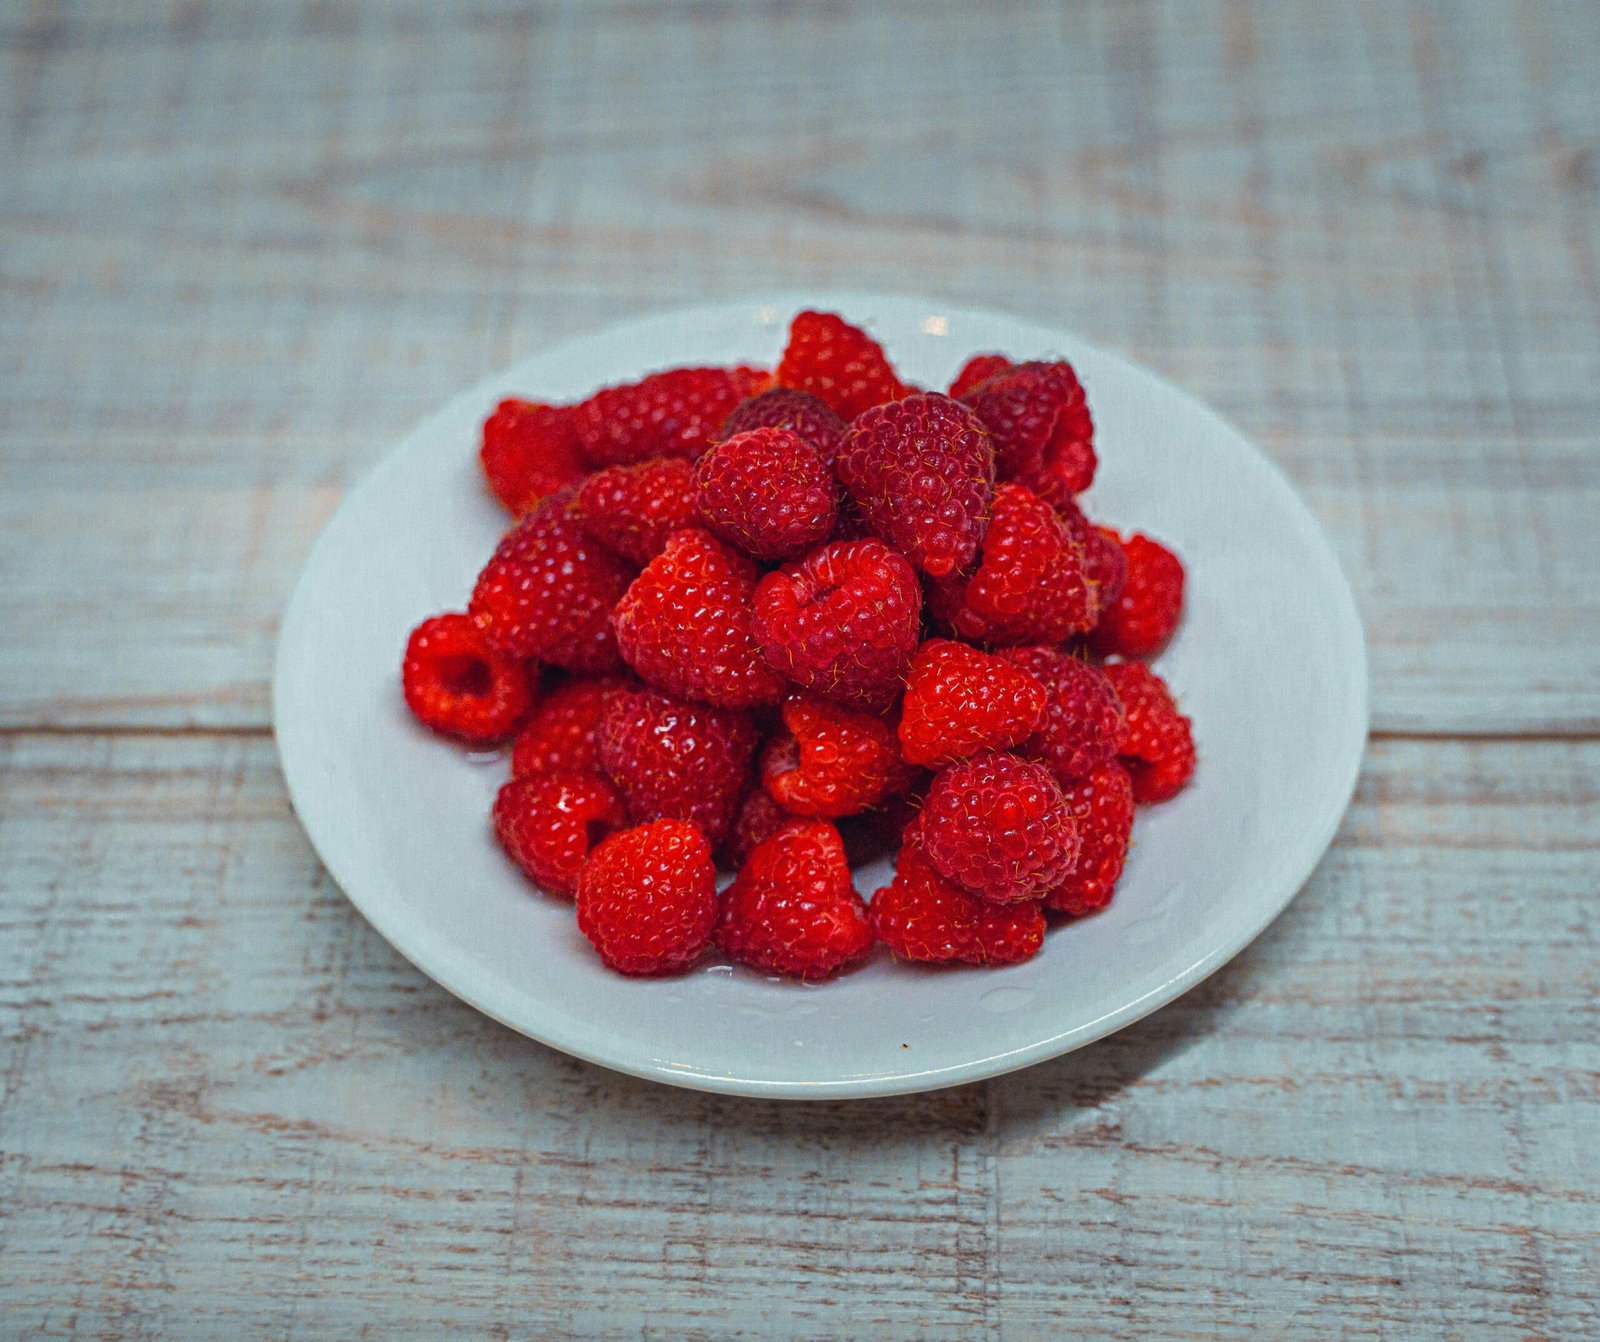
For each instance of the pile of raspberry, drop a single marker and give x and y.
(781, 623)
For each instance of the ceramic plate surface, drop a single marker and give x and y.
(1269, 662)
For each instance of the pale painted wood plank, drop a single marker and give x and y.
(227, 1106)
(249, 244)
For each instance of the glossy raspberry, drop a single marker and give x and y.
(924, 917)
(559, 737)
(842, 622)
(670, 414)
(831, 761)
(1029, 586)
(838, 363)
(647, 898)
(1158, 745)
(922, 472)
(999, 827)
(1102, 809)
(633, 509)
(786, 408)
(677, 760)
(1104, 564)
(459, 685)
(960, 701)
(767, 492)
(1082, 725)
(977, 370)
(547, 823)
(792, 908)
(528, 452)
(684, 625)
(1150, 604)
(758, 818)
(1043, 433)
(549, 590)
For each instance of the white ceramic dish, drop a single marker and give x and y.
(1270, 663)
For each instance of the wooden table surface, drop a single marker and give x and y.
(244, 246)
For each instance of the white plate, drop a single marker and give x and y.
(1269, 662)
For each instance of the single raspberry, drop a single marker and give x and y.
(767, 492)
(960, 701)
(792, 908)
(1030, 585)
(647, 898)
(459, 685)
(786, 408)
(559, 737)
(1104, 564)
(842, 622)
(684, 625)
(676, 760)
(1102, 809)
(1043, 433)
(633, 509)
(750, 381)
(670, 414)
(1082, 726)
(839, 363)
(547, 823)
(978, 370)
(924, 917)
(999, 827)
(1147, 609)
(1158, 746)
(529, 451)
(832, 761)
(758, 818)
(922, 472)
(549, 590)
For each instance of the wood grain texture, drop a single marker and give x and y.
(248, 244)
(230, 1109)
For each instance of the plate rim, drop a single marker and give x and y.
(1353, 734)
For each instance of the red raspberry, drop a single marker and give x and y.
(999, 827)
(839, 363)
(1147, 609)
(792, 908)
(1104, 564)
(1030, 585)
(1102, 808)
(1158, 746)
(677, 760)
(633, 509)
(842, 622)
(786, 408)
(670, 414)
(960, 701)
(684, 625)
(750, 381)
(547, 824)
(832, 761)
(1043, 434)
(529, 451)
(768, 492)
(647, 898)
(460, 686)
(978, 370)
(922, 472)
(921, 916)
(758, 818)
(559, 737)
(549, 590)
(1082, 724)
